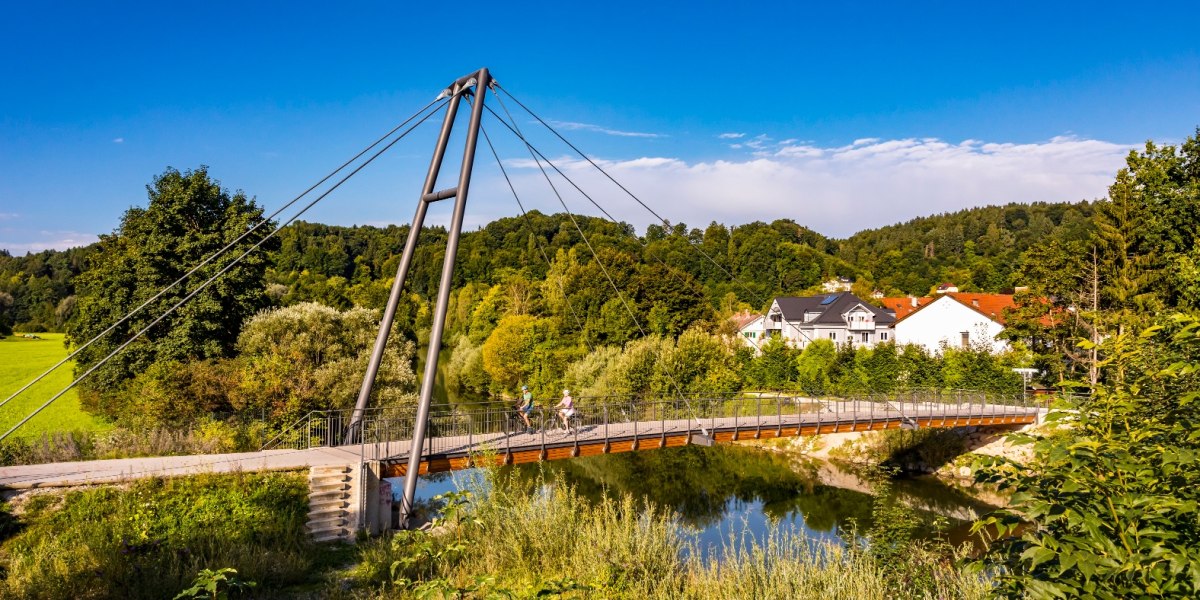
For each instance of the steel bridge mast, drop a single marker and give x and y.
(476, 84)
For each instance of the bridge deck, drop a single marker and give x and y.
(463, 451)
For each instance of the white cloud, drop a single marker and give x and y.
(840, 190)
(758, 142)
(120, 140)
(44, 240)
(8, 216)
(573, 126)
(731, 136)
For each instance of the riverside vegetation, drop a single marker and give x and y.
(515, 537)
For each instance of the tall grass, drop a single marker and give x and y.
(527, 540)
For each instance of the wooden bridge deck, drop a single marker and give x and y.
(464, 451)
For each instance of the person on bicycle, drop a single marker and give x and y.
(566, 409)
(525, 406)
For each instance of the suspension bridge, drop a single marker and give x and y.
(433, 437)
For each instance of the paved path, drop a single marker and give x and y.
(109, 471)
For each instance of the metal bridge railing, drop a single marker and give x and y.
(458, 428)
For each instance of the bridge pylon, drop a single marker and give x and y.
(474, 84)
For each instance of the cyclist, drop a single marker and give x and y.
(525, 406)
(566, 409)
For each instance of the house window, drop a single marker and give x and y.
(883, 336)
(866, 337)
(966, 339)
(833, 335)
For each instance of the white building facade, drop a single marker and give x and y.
(841, 318)
(951, 322)
(751, 330)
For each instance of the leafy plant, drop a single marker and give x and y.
(1109, 510)
(215, 584)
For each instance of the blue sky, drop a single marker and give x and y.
(840, 117)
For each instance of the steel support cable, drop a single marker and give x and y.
(215, 255)
(516, 131)
(534, 153)
(529, 225)
(665, 223)
(210, 280)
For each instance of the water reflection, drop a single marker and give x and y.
(442, 394)
(728, 489)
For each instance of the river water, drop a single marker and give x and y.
(716, 491)
(723, 490)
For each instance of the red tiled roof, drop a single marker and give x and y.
(744, 319)
(991, 305)
(904, 306)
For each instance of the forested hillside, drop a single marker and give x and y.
(978, 249)
(36, 290)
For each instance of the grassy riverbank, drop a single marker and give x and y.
(149, 540)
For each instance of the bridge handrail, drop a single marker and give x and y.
(382, 425)
(295, 426)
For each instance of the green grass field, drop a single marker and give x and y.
(20, 361)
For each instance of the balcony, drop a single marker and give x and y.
(860, 324)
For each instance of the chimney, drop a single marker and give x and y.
(913, 300)
(975, 302)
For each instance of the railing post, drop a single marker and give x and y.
(662, 425)
(778, 416)
(819, 411)
(635, 433)
(758, 421)
(736, 414)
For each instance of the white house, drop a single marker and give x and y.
(841, 318)
(955, 320)
(837, 284)
(750, 328)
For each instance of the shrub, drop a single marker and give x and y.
(1109, 509)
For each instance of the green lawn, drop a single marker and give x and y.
(20, 361)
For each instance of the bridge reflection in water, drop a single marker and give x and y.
(461, 438)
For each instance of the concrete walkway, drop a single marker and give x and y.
(124, 469)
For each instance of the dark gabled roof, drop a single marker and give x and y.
(793, 308)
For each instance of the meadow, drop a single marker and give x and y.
(21, 360)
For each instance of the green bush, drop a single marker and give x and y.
(1108, 509)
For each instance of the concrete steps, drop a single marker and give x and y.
(331, 494)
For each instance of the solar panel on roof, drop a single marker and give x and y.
(829, 299)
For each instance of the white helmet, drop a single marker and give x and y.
(566, 392)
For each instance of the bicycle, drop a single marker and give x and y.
(574, 421)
